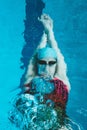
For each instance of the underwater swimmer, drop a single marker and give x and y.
(48, 63)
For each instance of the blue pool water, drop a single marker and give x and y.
(70, 31)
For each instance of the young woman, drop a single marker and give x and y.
(47, 66)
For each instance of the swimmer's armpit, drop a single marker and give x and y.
(26, 88)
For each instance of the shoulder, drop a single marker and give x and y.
(59, 83)
(57, 80)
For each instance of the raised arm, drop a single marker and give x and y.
(51, 42)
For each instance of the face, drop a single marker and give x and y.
(47, 67)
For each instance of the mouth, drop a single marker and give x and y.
(46, 76)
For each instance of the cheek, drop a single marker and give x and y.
(53, 69)
(40, 68)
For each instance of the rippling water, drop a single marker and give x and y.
(27, 113)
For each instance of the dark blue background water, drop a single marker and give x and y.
(70, 29)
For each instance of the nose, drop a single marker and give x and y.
(47, 68)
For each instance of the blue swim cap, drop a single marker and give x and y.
(46, 52)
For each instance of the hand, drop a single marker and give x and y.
(47, 22)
